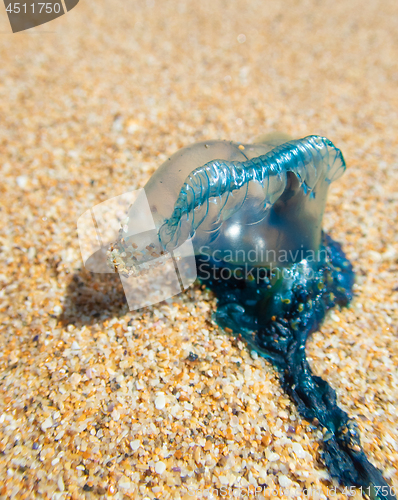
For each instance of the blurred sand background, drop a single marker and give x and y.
(99, 402)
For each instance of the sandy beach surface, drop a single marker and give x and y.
(100, 402)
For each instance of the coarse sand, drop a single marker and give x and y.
(100, 402)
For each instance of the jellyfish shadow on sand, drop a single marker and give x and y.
(93, 297)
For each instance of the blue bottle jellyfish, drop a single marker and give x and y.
(254, 215)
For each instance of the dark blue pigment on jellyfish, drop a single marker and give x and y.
(254, 215)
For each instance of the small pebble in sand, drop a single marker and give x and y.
(160, 401)
(160, 467)
(134, 445)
